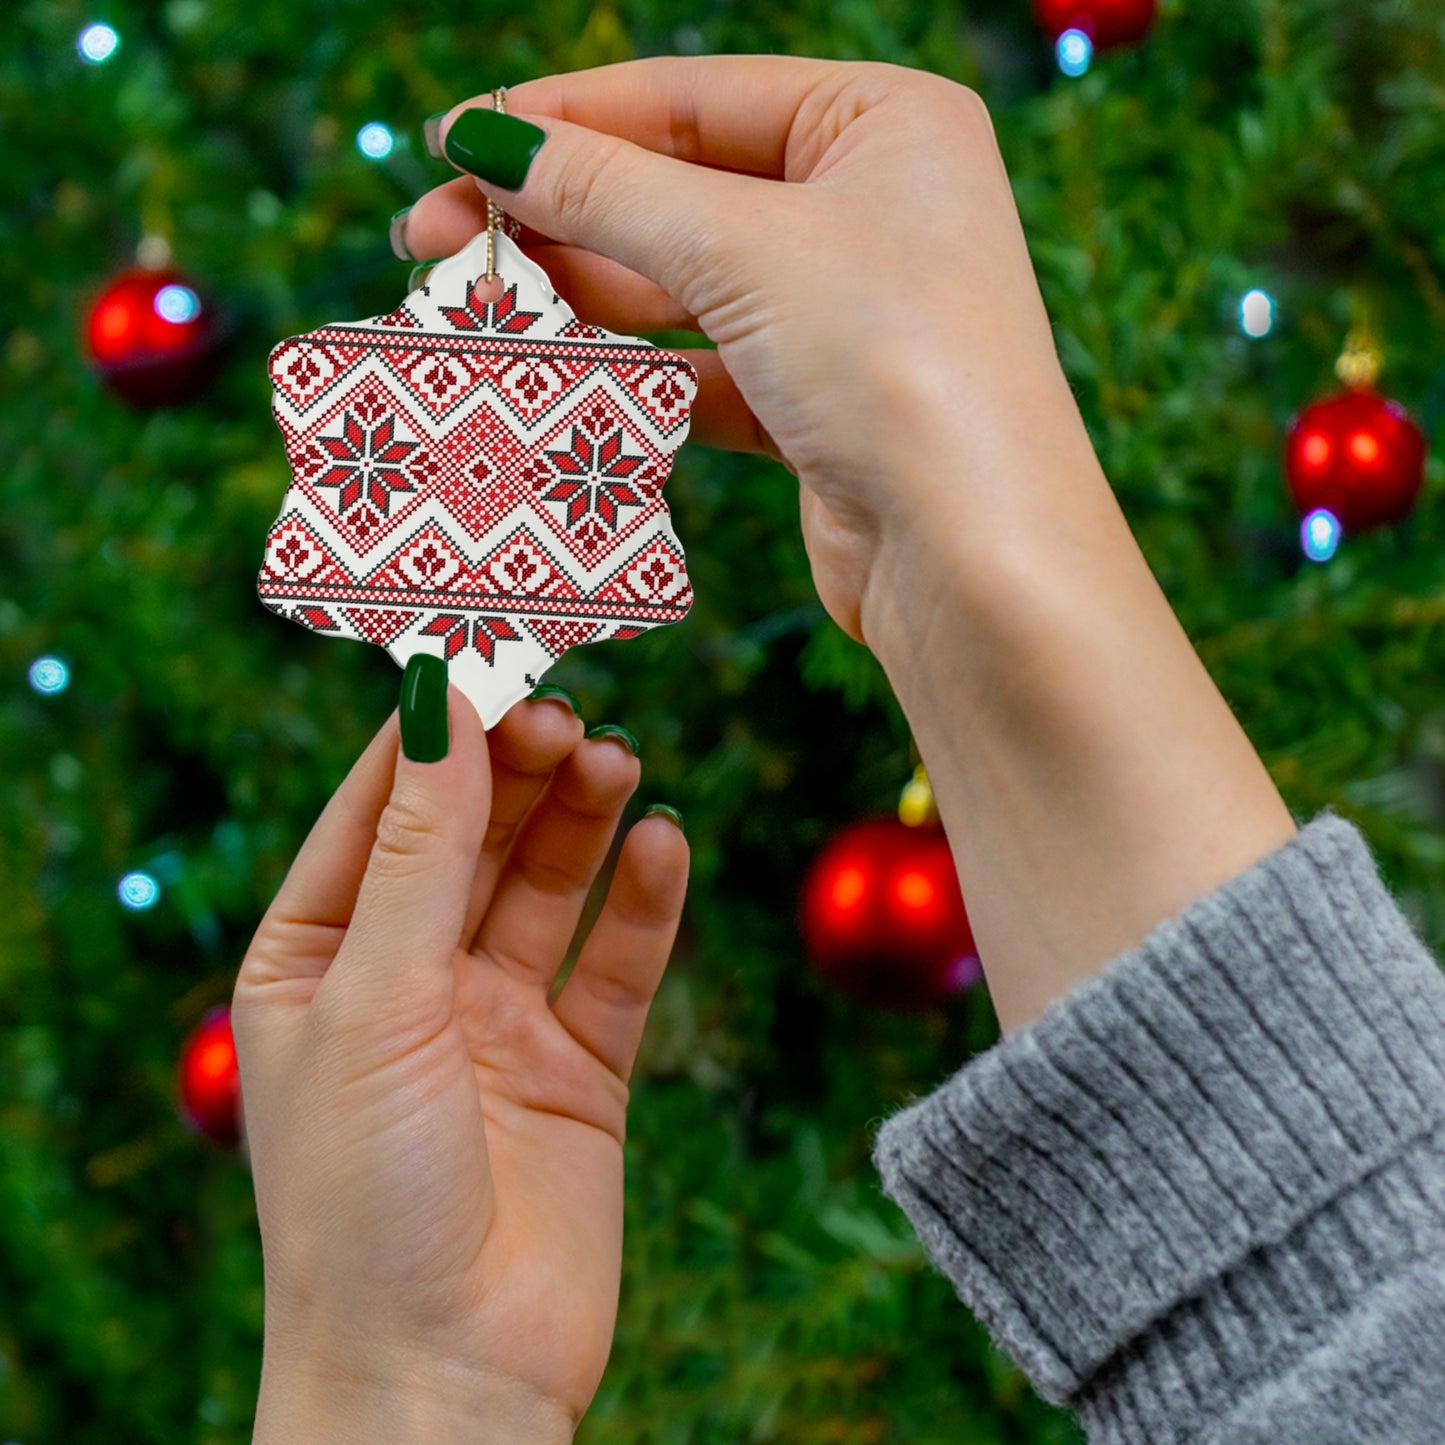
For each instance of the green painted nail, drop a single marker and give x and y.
(424, 736)
(397, 235)
(414, 277)
(667, 812)
(498, 148)
(431, 133)
(549, 689)
(612, 730)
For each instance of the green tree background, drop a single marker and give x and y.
(771, 1292)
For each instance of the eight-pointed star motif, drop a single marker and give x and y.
(366, 462)
(594, 478)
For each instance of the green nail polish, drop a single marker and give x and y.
(498, 148)
(420, 270)
(431, 133)
(549, 689)
(667, 812)
(397, 234)
(424, 737)
(612, 730)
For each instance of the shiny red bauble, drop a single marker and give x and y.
(1359, 456)
(1107, 23)
(883, 916)
(210, 1081)
(152, 338)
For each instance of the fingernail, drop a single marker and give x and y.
(612, 730)
(548, 689)
(397, 234)
(421, 268)
(667, 812)
(498, 148)
(424, 736)
(431, 133)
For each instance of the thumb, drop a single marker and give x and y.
(664, 218)
(413, 898)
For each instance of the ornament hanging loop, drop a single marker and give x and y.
(497, 218)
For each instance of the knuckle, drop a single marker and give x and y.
(408, 835)
(576, 196)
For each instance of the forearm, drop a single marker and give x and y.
(1091, 778)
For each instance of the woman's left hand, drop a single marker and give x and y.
(437, 1148)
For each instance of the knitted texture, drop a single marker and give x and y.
(1202, 1199)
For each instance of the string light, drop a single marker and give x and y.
(1320, 535)
(49, 675)
(97, 43)
(177, 304)
(1075, 52)
(138, 891)
(1256, 313)
(375, 141)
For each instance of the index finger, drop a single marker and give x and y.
(734, 112)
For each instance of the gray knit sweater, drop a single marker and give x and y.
(1202, 1199)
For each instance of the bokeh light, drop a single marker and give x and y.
(138, 891)
(177, 304)
(1075, 52)
(1256, 313)
(1320, 535)
(49, 675)
(375, 140)
(97, 43)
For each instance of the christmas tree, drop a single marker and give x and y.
(1212, 211)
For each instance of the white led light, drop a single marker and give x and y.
(375, 140)
(177, 304)
(1256, 313)
(138, 891)
(97, 43)
(1320, 535)
(1075, 52)
(49, 675)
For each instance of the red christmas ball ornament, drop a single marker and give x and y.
(210, 1081)
(152, 338)
(883, 917)
(1359, 456)
(1107, 23)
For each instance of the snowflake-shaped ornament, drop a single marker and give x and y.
(479, 479)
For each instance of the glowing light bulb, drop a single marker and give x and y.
(49, 675)
(97, 43)
(1364, 448)
(1256, 313)
(375, 141)
(138, 891)
(1075, 52)
(1320, 535)
(848, 888)
(177, 304)
(914, 890)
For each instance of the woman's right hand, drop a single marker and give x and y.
(878, 324)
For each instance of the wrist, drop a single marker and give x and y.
(324, 1403)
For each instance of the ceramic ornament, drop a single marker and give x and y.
(478, 480)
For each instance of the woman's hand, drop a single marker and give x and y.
(878, 324)
(437, 1150)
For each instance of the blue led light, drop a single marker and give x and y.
(1320, 535)
(97, 43)
(375, 140)
(1256, 313)
(49, 675)
(1075, 52)
(138, 891)
(177, 304)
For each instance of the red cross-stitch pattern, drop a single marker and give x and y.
(478, 479)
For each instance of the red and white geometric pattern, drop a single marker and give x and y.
(477, 479)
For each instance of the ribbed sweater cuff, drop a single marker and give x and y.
(1206, 1111)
